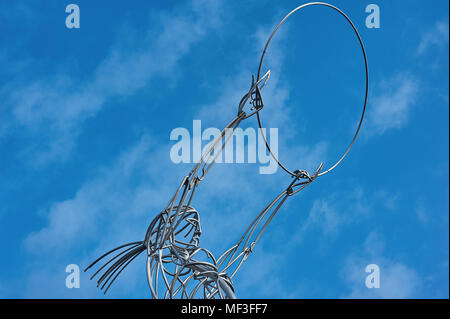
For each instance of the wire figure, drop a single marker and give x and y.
(177, 266)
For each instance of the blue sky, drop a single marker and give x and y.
(86, 116)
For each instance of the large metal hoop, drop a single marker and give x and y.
(366, 79)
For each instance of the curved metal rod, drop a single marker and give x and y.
(366, 83)
(175, 262)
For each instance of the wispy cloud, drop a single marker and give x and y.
(113, 208)
(392, 99)
(114, 194)
(53, 108)
(391, 103)
(422, 212)
(329, 215)
(397, 280)
(437, 36)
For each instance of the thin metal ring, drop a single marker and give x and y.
(366, 92)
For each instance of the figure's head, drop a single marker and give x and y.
(178, 230)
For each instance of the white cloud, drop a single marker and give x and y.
(116, 194)
(260, 274)
(437, 36)
(390, 106)
(331, 214)
(393, 98)
(397, 280)
(52, 109)
(422, 212)
(325, 215)
(113, 208)
(388, 199)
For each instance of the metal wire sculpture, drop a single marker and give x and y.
(177, 266)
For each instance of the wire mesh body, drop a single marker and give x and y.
(178, 266)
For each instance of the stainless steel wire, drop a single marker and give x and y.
(177, 266)
(366, 68)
